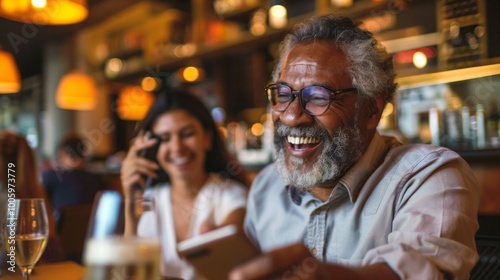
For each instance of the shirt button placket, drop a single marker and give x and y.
(316, 233)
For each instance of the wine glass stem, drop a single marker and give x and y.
(26, 273)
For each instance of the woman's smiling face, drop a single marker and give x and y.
(184, 144)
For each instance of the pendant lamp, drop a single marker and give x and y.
(10, 80)
(76, 91)
(133, 103)
(45, 12)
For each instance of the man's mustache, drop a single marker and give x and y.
(282, 130)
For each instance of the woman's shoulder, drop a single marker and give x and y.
(218, 185)
(216, 180)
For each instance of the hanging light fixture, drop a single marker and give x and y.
(133, 103)
(10, 80)
(46, 12)
(76, 91)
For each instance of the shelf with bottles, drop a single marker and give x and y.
(480, 69)
(457, 109)
(226, 35)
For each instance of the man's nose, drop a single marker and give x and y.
(294, 114)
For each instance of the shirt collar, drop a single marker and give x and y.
(355, 177)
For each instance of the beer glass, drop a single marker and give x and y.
(122, 258)
(108, 253)
(25, 233)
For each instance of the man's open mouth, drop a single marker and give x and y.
(300, 142)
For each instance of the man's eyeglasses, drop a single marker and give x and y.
(314, 100)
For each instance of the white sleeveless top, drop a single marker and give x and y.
(216, 200)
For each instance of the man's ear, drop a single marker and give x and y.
(375, 109)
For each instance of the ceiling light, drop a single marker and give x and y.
(133, 103)
(45, 12)
(76, 91)
(10, 80)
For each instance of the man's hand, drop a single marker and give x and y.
(290, 262)
(296, 262)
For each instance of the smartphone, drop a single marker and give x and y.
(216, 253)
(151, 154)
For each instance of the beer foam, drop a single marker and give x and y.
(121, 250)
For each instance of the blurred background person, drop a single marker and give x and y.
(198, 186)
(68, 182)
(14, 150)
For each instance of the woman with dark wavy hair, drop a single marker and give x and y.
(198, 186)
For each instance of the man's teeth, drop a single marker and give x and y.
(180, 160)
(302, 140)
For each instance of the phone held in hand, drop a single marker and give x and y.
(216, 253)
(150, 153)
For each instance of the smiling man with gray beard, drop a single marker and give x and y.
(342, 201)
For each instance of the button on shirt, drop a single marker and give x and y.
(413, 207)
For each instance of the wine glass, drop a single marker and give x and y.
(25, 233)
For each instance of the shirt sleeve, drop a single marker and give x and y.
(434, 223)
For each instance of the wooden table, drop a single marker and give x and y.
(52, 271)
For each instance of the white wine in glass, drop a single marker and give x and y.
(26, 232)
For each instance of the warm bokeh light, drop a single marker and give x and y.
(76, 91)
(51, 12)
(184, 50)
(113, 67)
(133, 103)
(10, 80)
(149, 84)
(258, 28)
(419, 60)
(258, 22)
(39, 3)
(257, 129)
(190, 74)
(341, 3)
(277, 16)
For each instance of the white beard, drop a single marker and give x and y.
(338, 155)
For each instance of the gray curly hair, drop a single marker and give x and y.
(371, 67)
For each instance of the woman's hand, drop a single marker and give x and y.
(135, 168)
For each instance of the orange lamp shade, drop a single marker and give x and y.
(133, 103)
(76, 91)
(10, 80)
(45, 12)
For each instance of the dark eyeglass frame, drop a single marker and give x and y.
(300, 94)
